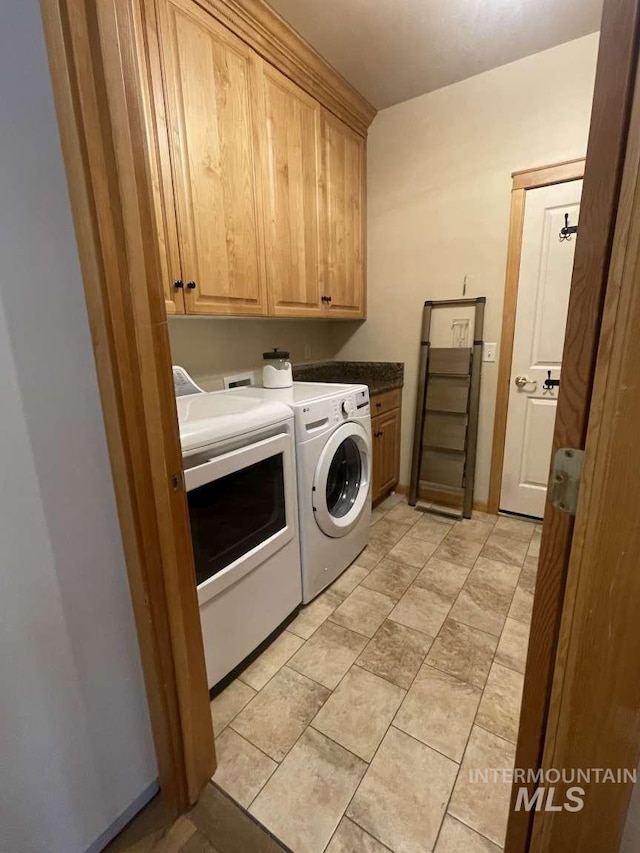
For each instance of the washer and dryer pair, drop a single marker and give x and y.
(333, 460)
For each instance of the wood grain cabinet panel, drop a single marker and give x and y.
(342, 215)
(290, 137)
(211, 83)
(385, 430)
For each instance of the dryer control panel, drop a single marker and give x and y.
(316, 416)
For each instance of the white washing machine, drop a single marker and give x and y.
(333, 458)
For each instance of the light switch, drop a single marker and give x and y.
(489, 351)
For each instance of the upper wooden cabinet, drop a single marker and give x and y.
(291, 139)
(258, 187)
(343, 213)
(211, 84)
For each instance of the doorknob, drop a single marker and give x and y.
(521, 381)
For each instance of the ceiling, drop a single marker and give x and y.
(393, 50)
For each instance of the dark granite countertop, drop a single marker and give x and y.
(379, 376)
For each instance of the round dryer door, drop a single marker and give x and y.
(342, 478)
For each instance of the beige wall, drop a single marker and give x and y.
(439, 180)
(210, 348)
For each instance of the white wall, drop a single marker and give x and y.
(439, 181)
(75, 739)
(210, 348)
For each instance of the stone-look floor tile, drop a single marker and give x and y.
(439, 710)
(512, 648)
(228, 703)
(464, 652)
(395, 653)
(314, 614)
(363, 611)
(272, 658)
(242, 769)
(392, 500)
(402, 799)
(276, 717)
(505, 549)
(484, 516)
(422, 609)
(475, 529)
(529, 574)
(350, 838)
(198, 843)
(442, 576)
(522, 605)
(499, 710)
(485, 598)
(368, 558)
(359, 712)
(404, 514)
(455, 549)
(377, 514)
(228, 826)
(349, 580)
(455, 837)
(385, 534)
(430, 529)
(304, 801)
(516, 528)
(484, 806)
(412, 551)
(390, 578)
(534, 545)
(327, 656)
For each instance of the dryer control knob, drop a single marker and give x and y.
(347, 407)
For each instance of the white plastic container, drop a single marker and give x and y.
(276, 372)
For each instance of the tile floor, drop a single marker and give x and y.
(357, 728)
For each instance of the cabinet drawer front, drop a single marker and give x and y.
(382, 403)
(447, 394)
(443, 468)
(447, 431)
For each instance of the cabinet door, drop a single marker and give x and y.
(386, 452)
(157, 141)
(290, 136)
(211, 82)
(343, 212)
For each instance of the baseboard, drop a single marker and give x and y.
(441, 498)
(126, 817)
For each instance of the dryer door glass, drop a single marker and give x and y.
(343, 478)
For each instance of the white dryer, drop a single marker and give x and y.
(333, 459)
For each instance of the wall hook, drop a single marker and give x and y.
(568, 230)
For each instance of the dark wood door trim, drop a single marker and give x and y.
(614, 89)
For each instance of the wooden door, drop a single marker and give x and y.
(343, 213)
(386, 452)
(546, 264)
(211, 88)
(290, 136)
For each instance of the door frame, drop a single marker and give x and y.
(93, 57)
(522, 181)
(602, 195)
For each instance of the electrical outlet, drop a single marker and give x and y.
(489, 351)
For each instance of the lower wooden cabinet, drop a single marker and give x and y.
(385, 430)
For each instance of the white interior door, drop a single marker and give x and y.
(543, 296)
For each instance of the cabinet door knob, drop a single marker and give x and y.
(179, 284)
(191, 285)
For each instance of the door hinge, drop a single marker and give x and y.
(178, 483)
(564, 484)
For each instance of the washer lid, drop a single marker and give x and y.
(205, 419)
(342, 480)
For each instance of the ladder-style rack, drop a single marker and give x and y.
(446, 422)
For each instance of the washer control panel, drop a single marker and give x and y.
(318, 415)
